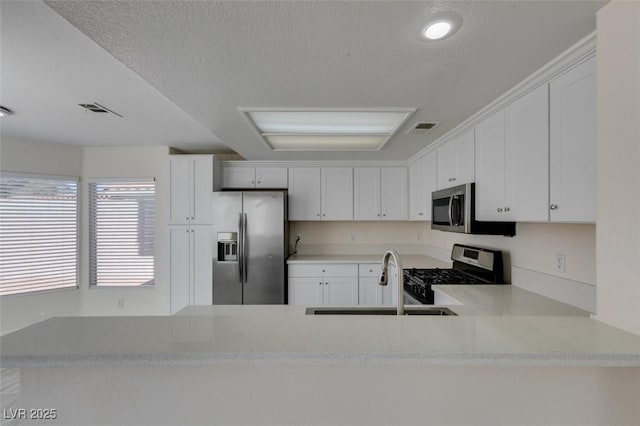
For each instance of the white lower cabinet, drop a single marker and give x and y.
(370, 293)
(323, 285)
(190, 266)
(354, 284)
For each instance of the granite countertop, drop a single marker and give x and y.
(408, 261)
(498, 325)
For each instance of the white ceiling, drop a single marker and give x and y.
(212, 57)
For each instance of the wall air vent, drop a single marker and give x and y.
(422, 128)
(97, 108)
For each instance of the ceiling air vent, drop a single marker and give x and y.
(97, 108)
(422, 128)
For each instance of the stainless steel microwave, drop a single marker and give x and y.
(453, 210)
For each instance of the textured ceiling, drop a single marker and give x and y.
(48, 67)
(212, 57)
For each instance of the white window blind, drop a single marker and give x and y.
(121, 233)
(38, 233)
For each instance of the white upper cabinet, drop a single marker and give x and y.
(573, 145)
(336, 188)
(321, 193)
(191, 188)
(366, 193)
(380, 193)
(393, 195)
(304, 193)
(512, 161)
(490, 168)
(456, 161)
(258, 177)
(422, 182)
(527, 162)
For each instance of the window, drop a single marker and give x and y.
(121, 232)
(38, 233)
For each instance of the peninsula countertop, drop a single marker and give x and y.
(284, 334)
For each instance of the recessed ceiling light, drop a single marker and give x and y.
(5, 111)
(437, 30)
(439, 26)
(327, 129)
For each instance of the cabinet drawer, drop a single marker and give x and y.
(323, 270)
(369, 270)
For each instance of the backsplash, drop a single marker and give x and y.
(533, 248)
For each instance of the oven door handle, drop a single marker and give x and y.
(450, 208)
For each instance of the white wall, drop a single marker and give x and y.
(128, 162)
(36, 157)
(618, 234)
(19, 155)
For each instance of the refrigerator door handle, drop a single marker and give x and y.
(244, 247)
(241, 248)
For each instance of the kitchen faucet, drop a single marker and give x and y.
(384, 280)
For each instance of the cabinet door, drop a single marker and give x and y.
(394, 193)
(446, 158)
(340, 291)
(465, 158)
(305, 291)
(238, 177)
(490, 168)
(201, 264)
(337, 193)
(527, 157)
(271, 177)
(304, 193)
(180, 181)
(369, 292)
(179, 267)
(366, 193)
(573, 145)
(202, 194)
(422, 182)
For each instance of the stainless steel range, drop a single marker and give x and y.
(471, 265)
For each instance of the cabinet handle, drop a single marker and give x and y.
(326, 283)
(324, 214)
(259, 181)
(384, 214)
(253, 181)
(192, 217)
(420, 214)
(553, 207)
(507, 209)
(318, 215)
(319, 283)
(187, 217)
(453, 179)
(323, 270)
(370, 270)
(378, 214)
(187, 231)
(499, 210)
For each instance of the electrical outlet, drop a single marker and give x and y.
(121, 302)
(419, 236)
(560, 262)
(353, 236)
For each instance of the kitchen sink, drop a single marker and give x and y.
(379, 311)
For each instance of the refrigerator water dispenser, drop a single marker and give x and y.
(227, 246)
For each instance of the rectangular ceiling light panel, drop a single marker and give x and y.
(328, 130)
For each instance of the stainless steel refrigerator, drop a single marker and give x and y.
(251, 235)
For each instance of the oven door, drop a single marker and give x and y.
(410, 300)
